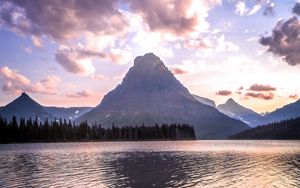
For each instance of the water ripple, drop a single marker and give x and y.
(152, 164)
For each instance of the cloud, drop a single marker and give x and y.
(81, 94)
(189, 66)
(79, 60)
(254, 10)
(8, 75)
(62, 20)
(74, 61)
(50, 82)
(37, 42)
(179, 18)
(67, 20)
(98, 77)
(295, 96)
(200, 44)
(296, 9)
(240, 8)
(269, 10)
(28, 50)
(223, 46)
(240, 88)
(15, 82)
(224, 93)
(106, 28)
(209, 44)
(259, 87)
(264, 96)
(178, 71)
(285, 41)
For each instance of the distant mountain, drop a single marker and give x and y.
(286, 112)
(237, 111)
(205, 100)
(25, 107)
(149, 94)
(67, 113)
(288, 129)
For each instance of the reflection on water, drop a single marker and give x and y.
(152, 164)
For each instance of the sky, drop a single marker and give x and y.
(71, 53)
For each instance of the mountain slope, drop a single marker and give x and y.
(67, 113)
(288, 129)
(237, 111)
(204, 100)
(25, 107)
(286, 112)
(149, 94)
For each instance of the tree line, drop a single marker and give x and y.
(282, 130)
(33, 130)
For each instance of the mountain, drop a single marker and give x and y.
(205, 100)
(149, 94)
(287, 129)
(25, 107)
(67, 113)
(237, 111)
(286, 112)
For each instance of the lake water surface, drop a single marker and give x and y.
(152, 164)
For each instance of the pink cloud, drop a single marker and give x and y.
(295, 96)
(8, 75)
(224, 93)
(176, 17)
(198, 44)
(37, 42)
(259, 87)
(62, 20)
(15, 82)
(178, 71)
(75, 61)
(265, 96)
(81, 94)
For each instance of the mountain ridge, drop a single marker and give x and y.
(233, 109)
(287, 111)
(26, 107)
(204, 100)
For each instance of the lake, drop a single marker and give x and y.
(152, 164)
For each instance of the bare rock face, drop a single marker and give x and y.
(150, 94)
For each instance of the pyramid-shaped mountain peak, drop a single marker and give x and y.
(24, 96)
(147, 59)
(150, 94)
(24, 107)
(230, 101)
(149, 64)
(150, 73)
